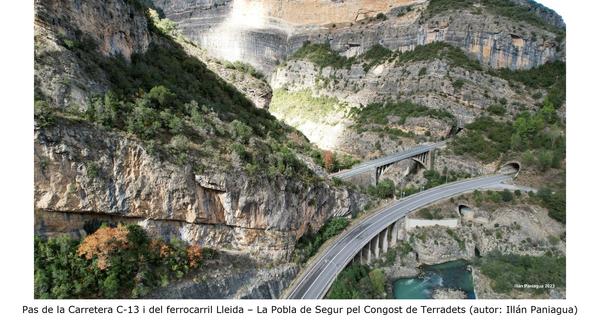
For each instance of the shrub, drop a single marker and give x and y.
(240, 131)
(309, 244)
(143, 121)
(375, 56)
(497, 110)
(43, 114)
(112, 262)
(245, 68)
(358, 282)
(381, 16)
(458, 84)
(92, 170)
(172, 122)
(322, 55)
(378, 113)
(507, 196)
(160, 96)
(555, 202)
(385, 189)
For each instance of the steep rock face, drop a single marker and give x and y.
(430, 83)
(113, 27)
(117, 27)
(231, 277)
(435, 83)
(83, 170)
(264, 33)
(547, 14)
(515, 229)
(255, 89)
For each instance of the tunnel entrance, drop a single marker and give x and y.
(511, 168)
(465, 210)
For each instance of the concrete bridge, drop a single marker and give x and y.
(421, 154)
(373, 235)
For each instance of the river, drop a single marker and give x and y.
(449, 275)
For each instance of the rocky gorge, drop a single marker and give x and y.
(210, 122)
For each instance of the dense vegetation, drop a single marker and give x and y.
(112, 262)
(537, 137)
(358, 282)
(322, 55)
(555, 202)
(183, 111)
(485, 139)
(435, 178)
(508, 9)
(245, 68)
(309, 243)
(494, 196)
(375, 56)
(438, 50)
(379, 113)
(550, 77)
(508, 270)
(333, 162)
(384, 189)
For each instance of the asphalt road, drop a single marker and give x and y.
(322, 270)
(372, 164)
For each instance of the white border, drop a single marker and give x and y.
(16, 187)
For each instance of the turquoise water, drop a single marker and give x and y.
(453, 275)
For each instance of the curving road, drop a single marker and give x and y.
(318, 276)
(372, 164)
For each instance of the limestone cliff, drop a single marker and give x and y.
(265, 33)
(86, 172)
(116, 28)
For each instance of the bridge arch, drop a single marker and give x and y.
(423, 159)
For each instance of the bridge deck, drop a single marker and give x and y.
(314, 282)
(390, 159)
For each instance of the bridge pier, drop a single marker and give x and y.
(383, 238)
(380, 244)
(363, 256)
(375, 248)
(394, 234)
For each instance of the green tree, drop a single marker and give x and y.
(385, 189)
(143, 121)
(507, 196)
(161, 96)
